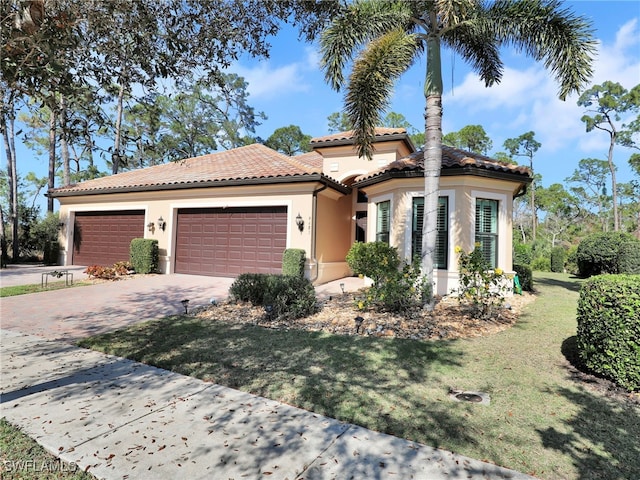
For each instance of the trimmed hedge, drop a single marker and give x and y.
(558, 257)
(51, 252)
(609, 328)
(373, 259)
(289, 296)
(629, 258)
(293, 260)
(604, 253)
(525, 276)
(144, 255)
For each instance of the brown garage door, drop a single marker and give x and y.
(104, 238)
(228, 242)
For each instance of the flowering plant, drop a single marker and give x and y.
(481, 286)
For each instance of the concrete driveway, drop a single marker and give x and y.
(72, 313)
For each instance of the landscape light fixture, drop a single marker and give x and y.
(342, 287)
(300, 222)
(185, 304)
(162, 224)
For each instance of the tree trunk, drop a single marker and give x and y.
(64, 147)
(117, 141)
(52, 157)
(12, 174)
(432, 159)
(614, 184)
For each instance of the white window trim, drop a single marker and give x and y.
(502, 220)
(372, 213)
(408, 226)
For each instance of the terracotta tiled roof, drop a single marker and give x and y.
(451, 158)
(251, 162)
(311, 160)
(341, 136)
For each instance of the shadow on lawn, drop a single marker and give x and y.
(572, 283)
(367, 381)
(602, 437)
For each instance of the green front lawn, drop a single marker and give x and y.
(541, 420)
(36, 287)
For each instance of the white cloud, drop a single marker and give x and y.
(267, 82)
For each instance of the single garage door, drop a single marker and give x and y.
(230, 241)
(104, 238)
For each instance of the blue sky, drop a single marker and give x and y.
(289, 88)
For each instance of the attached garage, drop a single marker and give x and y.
(229, 241)
(104, 238)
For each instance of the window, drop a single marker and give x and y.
(383, 221)
(487, 229)
(442, 239)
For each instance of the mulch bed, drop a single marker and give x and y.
(448, 320)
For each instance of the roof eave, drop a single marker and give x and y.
(445, 172)
(377, 139)
(316, 177)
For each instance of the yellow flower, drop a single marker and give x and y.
(477, 244)
(360, 275)
(458, 249)
(360, 305)
(498, 271)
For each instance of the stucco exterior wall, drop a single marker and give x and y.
(462, 192)
(296, 197)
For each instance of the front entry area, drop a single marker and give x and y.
(226, 242)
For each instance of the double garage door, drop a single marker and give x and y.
(226, 242)
(209, 241)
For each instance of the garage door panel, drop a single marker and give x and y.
(104, 238)
(242, 240)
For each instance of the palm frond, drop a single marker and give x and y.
(371, 82)
(360, 23)
(561, 40)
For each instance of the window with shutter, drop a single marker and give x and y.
(487, 229)
(383, 221)
(442, 238)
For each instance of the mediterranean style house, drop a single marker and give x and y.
(236, 211)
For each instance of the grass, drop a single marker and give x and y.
(36, 288)
(23, 458)
(541, 420)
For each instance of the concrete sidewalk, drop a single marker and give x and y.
(122, 419)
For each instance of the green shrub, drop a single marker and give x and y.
(525, 276)
(541, 264)
(629, 258)
(375, 260)
(558, 256)
(288, 296)
(609, 328)
(572, 264)
(144, 255)
(51, 252)
(522, 254)
(394, 289)
(601, 253)
(293, 261)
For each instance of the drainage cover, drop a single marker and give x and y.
(473, 397)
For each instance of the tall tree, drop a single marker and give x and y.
(289, 140)
(526, 146)
(395, 33)
(606, 104)
(339, 122)
(590, 180)
(472, 138)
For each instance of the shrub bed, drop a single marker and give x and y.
(288, 296)
(609, 328)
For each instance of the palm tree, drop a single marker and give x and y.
(384, 38)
